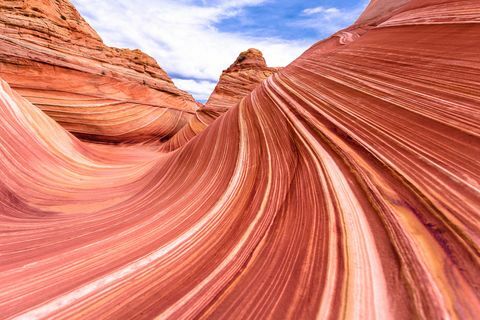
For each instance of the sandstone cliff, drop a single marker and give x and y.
(50, 55)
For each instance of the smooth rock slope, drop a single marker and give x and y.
(346, 186)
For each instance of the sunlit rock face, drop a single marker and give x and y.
(240, 79)
(50, 55)
(345, 186)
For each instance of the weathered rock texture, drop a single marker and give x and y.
(240, 79)
(346, 186)
(51, 56)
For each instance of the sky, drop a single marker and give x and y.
(194, 40)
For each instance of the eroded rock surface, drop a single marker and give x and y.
(346, 186)
(50, 55)
(244, 75)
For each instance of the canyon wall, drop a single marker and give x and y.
(345, 186)
(50, 55)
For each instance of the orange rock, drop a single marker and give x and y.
(346, 186)
(50, 55)
(240, 79)
(236, 82)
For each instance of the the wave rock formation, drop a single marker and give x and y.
(345, 186)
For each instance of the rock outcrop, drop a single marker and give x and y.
(244, 75)
(50, 55)
(235, 83)
(346, 186)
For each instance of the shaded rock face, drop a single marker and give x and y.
(240, 79)
(50, 55)
(347, 186)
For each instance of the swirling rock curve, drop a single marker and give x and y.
(345, 186)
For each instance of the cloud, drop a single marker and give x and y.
(326, 11)
(328, 20)
(182, 35)
(200, 89)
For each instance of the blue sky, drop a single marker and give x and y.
(293, 19)
(194, 40)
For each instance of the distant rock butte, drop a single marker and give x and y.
(240, 79)
(52, 57)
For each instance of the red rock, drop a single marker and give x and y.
(50, 55)
(240, 79)
(236, 82)
(346, 186)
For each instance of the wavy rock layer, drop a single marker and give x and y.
(345, 186)
(241, 78)
(51, 56)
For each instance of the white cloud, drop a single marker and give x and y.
(326, 11)
(182, 36)
(328, 20)
(200, 89)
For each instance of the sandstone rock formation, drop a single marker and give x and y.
(346, 186)
(50, 55)
(235, 83)
(240, 79)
